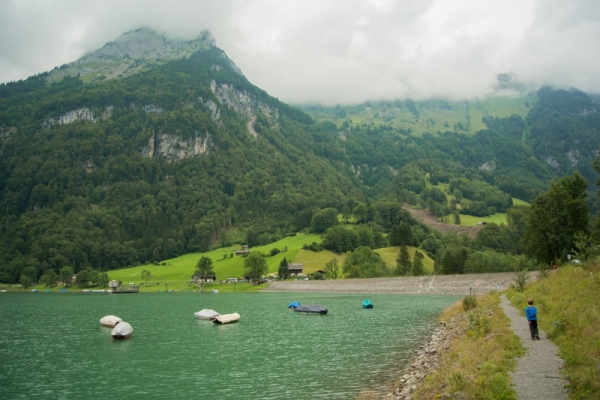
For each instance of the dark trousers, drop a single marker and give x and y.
(534, 329)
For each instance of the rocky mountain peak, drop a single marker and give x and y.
(131, 52)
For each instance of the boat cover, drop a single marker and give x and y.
(367, 304)
(122, 330)
(206, 313)
(110, 321)
(226, 318)
(294, 304)
(311, 308)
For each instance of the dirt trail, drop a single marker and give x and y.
(428, 219)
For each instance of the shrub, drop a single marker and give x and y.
(469, 302)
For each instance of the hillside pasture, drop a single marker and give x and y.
(182, 268)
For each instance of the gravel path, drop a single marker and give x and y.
(538, 372)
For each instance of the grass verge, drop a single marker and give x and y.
(478, 359)
(569, 312)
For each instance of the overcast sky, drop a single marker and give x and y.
(333, 51)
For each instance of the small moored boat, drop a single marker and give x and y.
(110, 321)
(311, 309)
(226, 318)
(294, 304)
(122, 330)
(206, 313)
(367, 304)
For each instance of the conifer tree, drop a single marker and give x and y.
(403, 263)
(417, 266)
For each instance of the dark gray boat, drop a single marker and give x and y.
(311, 309)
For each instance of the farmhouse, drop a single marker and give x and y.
(243, 252)
(295, 269)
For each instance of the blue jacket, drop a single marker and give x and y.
(531, 313)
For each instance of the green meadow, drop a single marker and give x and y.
(177, 272)
(470, 220)
(434, 115)
(225, 266)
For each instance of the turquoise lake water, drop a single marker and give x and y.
(53, 346)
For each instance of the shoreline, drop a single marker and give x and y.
(430, 284)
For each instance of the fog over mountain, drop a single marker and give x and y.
(336, 51)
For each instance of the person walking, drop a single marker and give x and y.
(531, 314)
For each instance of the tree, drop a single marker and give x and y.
(555, 217)
(82, 278)
(364, 263)
(49, 278)
(204, 268)
(146, 276)
(332, 269)
(31, 273)
(456, 218)
(94, 277)
(103, 281)
(283, 271)
(255, 267)
(25, 281)
(66, 274)
(324, 219)
(417, 267)
(403, 263)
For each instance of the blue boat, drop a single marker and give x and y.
(63, 290)
(294, 304)
(367, 304)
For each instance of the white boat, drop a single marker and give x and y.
(122, 330)
(110, 321)
(214, 291)
(206, 313)
(226, 318)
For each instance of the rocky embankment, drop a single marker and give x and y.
(427, 358)
(437, 284)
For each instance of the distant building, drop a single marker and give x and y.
(243, 252)
(295, 269)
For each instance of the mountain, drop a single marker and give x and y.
(155, 164)
(152, 147)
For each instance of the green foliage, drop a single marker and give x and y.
(25, 281)
(283, 272)
(364, 263)
(556, 216)
(479, 322)
(204, 268)
(520, 280)
(65, 275)
(49, 278)
(146, 275)
(324, 219)
(469, 302)
(332, 269)
(417, 265)
(403, 263)
(255, 267)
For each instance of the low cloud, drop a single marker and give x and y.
(334, 52)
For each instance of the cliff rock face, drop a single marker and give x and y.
(243, 103)
(71, 116)
(174, 148)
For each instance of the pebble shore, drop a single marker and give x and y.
(437, 284)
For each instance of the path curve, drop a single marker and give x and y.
(537, 375)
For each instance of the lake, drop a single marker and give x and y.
(53, 345)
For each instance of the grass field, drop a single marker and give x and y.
(434, 115)
(389, 255)
(182, 268)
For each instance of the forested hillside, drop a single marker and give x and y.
(183, 153)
